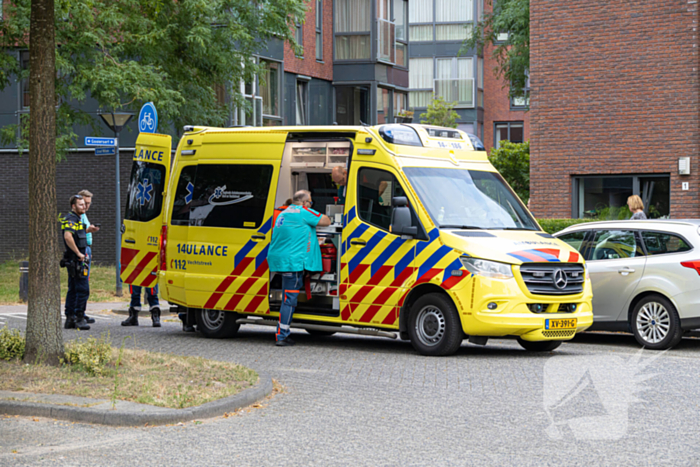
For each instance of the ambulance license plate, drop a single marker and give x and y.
(569, 323)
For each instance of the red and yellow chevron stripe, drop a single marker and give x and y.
(138, 267)
(377, 277)
(245, 289)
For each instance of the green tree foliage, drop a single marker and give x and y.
(513, 54)
(512, 160)
(172, 52)
(440, 113)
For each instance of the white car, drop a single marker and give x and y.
(645, 276)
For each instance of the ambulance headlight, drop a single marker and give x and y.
(490, 269)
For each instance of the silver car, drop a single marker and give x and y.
(645, 276)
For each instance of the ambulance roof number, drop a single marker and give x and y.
(400, 134)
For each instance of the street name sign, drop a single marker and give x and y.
(97, 141)
(105, 151)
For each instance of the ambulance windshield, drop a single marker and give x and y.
(469, 199)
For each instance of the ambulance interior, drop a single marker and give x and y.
(307, 164)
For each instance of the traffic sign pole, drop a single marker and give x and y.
(118, 224)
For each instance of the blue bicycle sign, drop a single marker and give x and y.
(148, 118)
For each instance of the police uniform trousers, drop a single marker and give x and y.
(77, 297)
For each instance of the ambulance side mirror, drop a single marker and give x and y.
(401, 218)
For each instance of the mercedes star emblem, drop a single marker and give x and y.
(559, 279)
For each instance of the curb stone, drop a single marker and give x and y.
(140, 414)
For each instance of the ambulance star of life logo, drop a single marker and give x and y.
(143, 192)
(190, 192)
(589, 397)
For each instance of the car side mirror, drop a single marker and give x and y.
(401, 218)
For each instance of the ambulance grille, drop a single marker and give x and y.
(553, 278)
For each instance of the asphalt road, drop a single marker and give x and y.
(372, 401)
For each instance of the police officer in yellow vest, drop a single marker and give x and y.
(76, 261)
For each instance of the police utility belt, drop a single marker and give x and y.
(70, 260)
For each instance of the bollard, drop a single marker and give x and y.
(23, 281)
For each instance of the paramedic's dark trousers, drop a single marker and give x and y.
(292, 283)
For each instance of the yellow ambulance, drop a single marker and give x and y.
(427, 239)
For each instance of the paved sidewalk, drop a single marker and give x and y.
(91, 307)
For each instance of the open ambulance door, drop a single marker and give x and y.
(141, 227)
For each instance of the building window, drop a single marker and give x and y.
(508, 131)
(421, 20)
(270, 89)
(386, 30)
(420, 80)
(480, 82)
(352, 29)
(400, 102)
(24, 85)
(299, 36)
(454, 80)
(605, 197)
(384, 114)
(302, 103)
(319, 30)
(263, 97)
(522, 103)
(401, 21)
(443, 20)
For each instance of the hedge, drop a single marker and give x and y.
(555, 225)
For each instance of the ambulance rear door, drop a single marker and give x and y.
(141, 227)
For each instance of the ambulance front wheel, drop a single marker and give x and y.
(217, 324)
(434, 327)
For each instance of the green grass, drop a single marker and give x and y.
(102, 283)
(158, 379)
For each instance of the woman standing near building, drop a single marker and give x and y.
(637, 207)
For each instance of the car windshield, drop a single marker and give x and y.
(469, 199)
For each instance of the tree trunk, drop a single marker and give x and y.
(44, 335)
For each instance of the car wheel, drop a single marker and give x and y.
(317, 333)
(655, 323)
(541, 346)
(434, 326)
(217, 324)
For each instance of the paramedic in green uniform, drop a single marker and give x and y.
(293, 250)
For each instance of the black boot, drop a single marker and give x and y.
(69, 324)
(155, 317)
(133, 319)
(81, 324)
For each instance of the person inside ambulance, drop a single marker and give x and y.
(294, 249)
(340, 178)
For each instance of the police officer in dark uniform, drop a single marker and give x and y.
(76, 262)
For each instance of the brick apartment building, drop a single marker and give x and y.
(504, 118)
(614, 106)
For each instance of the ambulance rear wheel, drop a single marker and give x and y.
(542, 346)
(434, 326)
(217, 324)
